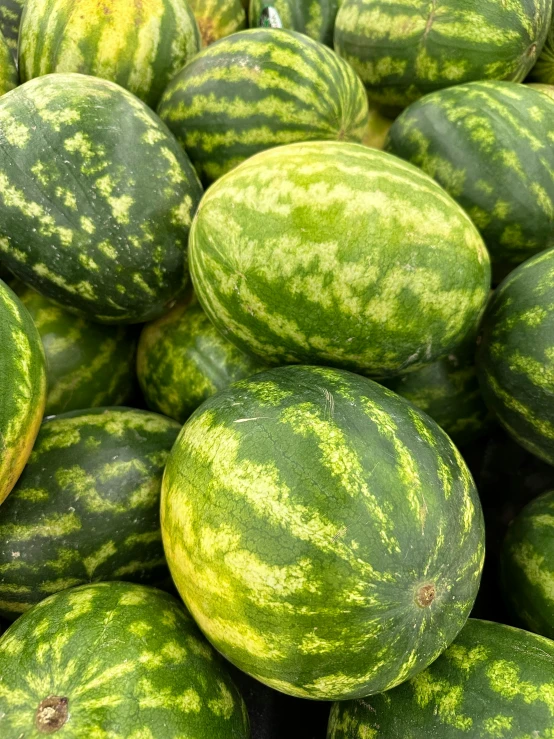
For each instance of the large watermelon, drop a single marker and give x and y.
(86, 506)
(88, 365)
(96, 198)
(516, 355)
(405, 50)
(140, 45)
(257, 89)
(315, 18)
(10, 17)
(491, 146)
(114, 660)
(494, 682)
(324, 533)
(218, 18)
(182, 360)
(333, 253)
(8, 71)
(22, 387)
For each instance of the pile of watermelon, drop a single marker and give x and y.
(277, 369)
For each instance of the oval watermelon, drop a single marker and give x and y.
(333, 253)
(22, 387)
(490, 145)
(402, 52)
(494, 682)
(324, 533)
(139, 45)
(86, 506)
(10, 18)
(114, 660)
(96, 198)
(257, 89)
(218, 18)
(8, 71)
(182, 360)
(315, 18)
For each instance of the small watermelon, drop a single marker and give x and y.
(324, 533)
(114, 660)
(8, 71)
(218, 18)
(86, 507)
(10, 18)
(315, 18)
(182, 360)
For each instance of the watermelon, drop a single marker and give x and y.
(547, 89)
(96, 198)
(114, 660)
(10, 17)
(404, 51)
(315, 18)
(218, 18)
(88, 365)
(296, 90)
(324, 533)
(140, 45)
(543, 71)
(490, 145)
(86, 507)
(516, 357)
(377, 129)
(528, 563)
(8, 72)
(334, 253)
(22, 387)
(182, 360)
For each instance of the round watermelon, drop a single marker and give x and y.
(182, 360)
(8, 71)
(22, 387)
(516, 357)
(258, 89)
(139, 45)
(114, 660)
(315, 18)
(86, 507)
(325, 534)
(489, 145)
(96, 198)
(218, 18)
(10, 18)
(494, 682)
(333, 253)
(404, 51)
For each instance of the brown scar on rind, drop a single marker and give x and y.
(52, 713)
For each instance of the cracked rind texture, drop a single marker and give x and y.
(403, 49)
(335, 253)
(96, 198)
(10, 18)
(22, 387)
(86, 507)
(130, 662)
(259, 89)
(218, 18)
(494, 682)
(304, 511)
(138, 45)
(490, 145)
(315, 18)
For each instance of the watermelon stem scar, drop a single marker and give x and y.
(426, 595)
(51, 714)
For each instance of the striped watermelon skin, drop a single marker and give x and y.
(86, 507)
(88, 365)
(90, 173)
(325, 534)
(516, 359)
(8, 72)
(114, 660)
(218, 18)
(405, 50)
(278, 276)
(138, 45)
(297, 90)
(10, 18)
(22, 387)
(182, 360)
(490, 145)
(494, 682)
(315, 18)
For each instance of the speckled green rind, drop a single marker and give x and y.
(22, 387)
(130, 663)
(8, 72)
(88, 365)
(543, 71)
(86, 506)
(334, 253)
(10, 17)
(403, 49)
(96, 198)
(258, 89)
(305, 512)
(139, 45)
(218, 18)
(315, 18)
(494, 682)
(516, 355)
(182, 360)
(491, 146)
